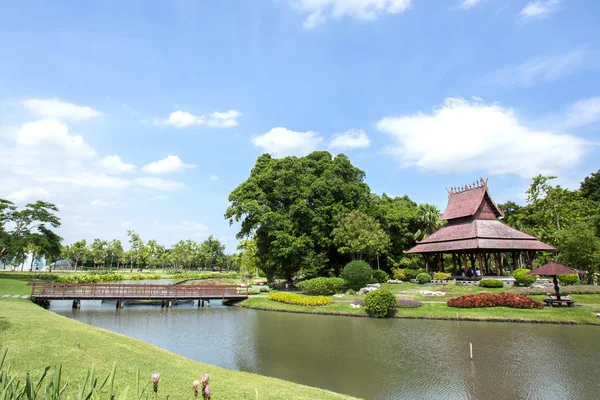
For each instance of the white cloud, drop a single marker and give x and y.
(55, 108)
(88, 179)
(190, 226)
(125, 224)
(470, 3)
(166, 165)
(160, 198)
(114, 165)
(539, 9)
(214, 178)
(546, 68)
(463, 136)
(351, 139)
(226, 119)
(159, 184)
(367, 10)
(99, 203)
(182, 119)
(28, 194)
(54, 136)
(281, 142)
(583, 112)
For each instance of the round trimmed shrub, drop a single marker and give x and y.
(423, 278)
(322, 286)
(522, 278)
(380, 275)
(410, 274)
(358, 274)
(380, 303)
(491, 283)
(568, 279)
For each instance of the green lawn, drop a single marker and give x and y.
(37, 338)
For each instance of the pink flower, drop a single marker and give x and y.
(205, 378)
(155, 379)
(207, 392)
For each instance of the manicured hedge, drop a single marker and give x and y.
(323, 286)
(398, 274)
(441, 276)
(358, 274)
(380, 303)
(296, 299)
(491, 283)
(380, 276)
(494, 300)
(522, 278)
(568, 279)
(88, 278)
(424, 278)
(410, 274)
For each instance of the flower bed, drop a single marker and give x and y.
(494, 300)
(406, 303)
(296, 299)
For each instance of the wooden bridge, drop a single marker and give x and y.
(44, 292)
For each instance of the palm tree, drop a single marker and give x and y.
(429, 220)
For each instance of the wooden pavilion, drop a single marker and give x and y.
(474, 234)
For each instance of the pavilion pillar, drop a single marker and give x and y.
(497, 262)
(426, 257)
(466, 263)
(441, 262)
(480, 261)
(515, 255)
(530, 256)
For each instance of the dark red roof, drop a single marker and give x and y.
(478, 234)
(466, 202)
(552, 269)
(472, 224)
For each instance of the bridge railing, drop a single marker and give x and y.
(134, 291)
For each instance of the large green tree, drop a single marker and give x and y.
(580, 248)
(360, 236)
(590, 187)
(290, 206)
(27, 229)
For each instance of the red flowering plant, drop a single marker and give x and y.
(494, 300)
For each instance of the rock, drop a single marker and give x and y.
(368, 289)
(339, 295)
(394, 281)
(428, 293)
(598, 315)
(374, 285)
(354, 305)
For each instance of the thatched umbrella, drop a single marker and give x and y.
(552, 270)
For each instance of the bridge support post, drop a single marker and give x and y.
(76, 304)
(169, 304)
(202, 303)
(207, 303)
(119, 303)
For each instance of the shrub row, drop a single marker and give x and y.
(423, 278)
(296, 299)
(494, 300)
(380, 303)
(491, 283)
(204, 275)
(323, 286)
(87, 278)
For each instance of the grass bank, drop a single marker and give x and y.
(37, 338)
(435, 308)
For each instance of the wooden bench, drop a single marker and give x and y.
(555, 302)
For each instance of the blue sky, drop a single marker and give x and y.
(144, 115)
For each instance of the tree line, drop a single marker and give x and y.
(308, 216)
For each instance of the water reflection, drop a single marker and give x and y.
(373, 359)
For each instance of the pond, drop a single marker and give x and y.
(370, 358)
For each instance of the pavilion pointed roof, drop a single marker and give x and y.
(472, 226)
(469, 200)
